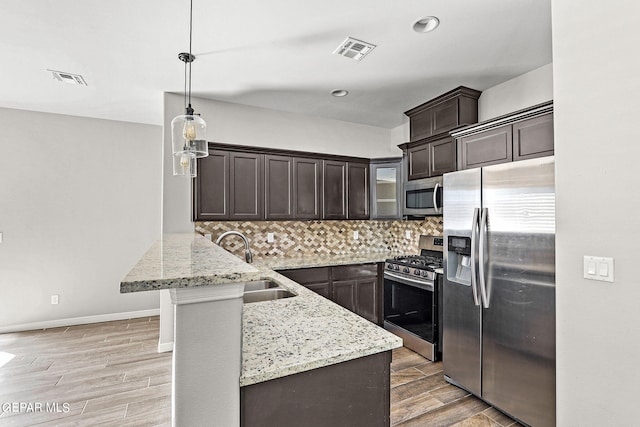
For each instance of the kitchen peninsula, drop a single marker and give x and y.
(270, 361)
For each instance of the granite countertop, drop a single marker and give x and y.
(186, 260)
(280, 337)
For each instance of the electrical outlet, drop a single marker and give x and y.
(270, 238)
(355, 235)
(407, 234)
(55, 299)
(208, 236)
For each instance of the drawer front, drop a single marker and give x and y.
(346, 272)
(307, 275)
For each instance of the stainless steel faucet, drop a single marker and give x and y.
(247, 252)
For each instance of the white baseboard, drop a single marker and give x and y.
(164, 347)
(48, 324)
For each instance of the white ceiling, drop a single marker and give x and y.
(274, 54)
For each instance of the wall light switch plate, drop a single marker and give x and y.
(598, 268)
(0, 237)
(269, 237)
(55, 299)
(355, 235)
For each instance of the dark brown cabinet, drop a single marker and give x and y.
(246, 186)
(523, 135)
(443, 113)
(418, 161)
(357, 287)
(533, 138)
(431, 157)
(211, 189)
(486, 148)
(357, 190)
(344, 293)
(278, 189)
(335, 190)
(249, 183)
(307, 188)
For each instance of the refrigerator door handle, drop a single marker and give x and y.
(435, 198)
(481, 248)
(474, 264)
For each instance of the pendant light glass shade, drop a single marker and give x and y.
(189, 134)
(184, 164)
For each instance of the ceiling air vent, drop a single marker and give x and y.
(354, 48)
(74, 79)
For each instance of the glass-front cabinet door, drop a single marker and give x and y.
(386, 192)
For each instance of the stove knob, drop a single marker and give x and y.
(405, 270)
(416, 272)
(390, 266)
(396, 267)
(425, 273)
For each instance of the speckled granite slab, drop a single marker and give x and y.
(280, 337)
(185, 260)
(325, 260)
(293, 335)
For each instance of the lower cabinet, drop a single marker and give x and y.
(354, 393)
(357, 287)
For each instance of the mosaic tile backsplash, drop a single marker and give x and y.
(307, 238)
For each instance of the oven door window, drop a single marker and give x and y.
(422, 198)
(410, 308)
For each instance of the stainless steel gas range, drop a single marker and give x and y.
(413, 298)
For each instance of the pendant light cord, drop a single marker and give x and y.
(190, 38)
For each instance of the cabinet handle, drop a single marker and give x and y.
(435, 198)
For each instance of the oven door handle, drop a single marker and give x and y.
(408, 281)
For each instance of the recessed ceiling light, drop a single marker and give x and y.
(425, 25)
(339, 93)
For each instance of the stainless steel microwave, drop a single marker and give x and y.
(422, 197)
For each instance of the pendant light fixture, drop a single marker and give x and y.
(188, 131)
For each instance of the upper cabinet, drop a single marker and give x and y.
(431, 151)
(522, 135)
(335, 189)
(248, 183)
(441, 114)
(211, 189)
(307, 188)
(246, 186)
(357, 190)
(278, 188)
(385, 186)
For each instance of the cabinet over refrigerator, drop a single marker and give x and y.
(499, 288)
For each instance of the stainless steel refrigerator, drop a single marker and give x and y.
(499, 290)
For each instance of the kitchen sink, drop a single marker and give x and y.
(266, 294)
(260, 285)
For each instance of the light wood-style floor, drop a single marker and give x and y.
(110, 374)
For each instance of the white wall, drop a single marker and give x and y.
(79, 205)
(524, 91)
(595, 71)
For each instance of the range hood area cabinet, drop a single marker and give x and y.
(430, 157)
(525, 134)
(431, 151)
(251, 184)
